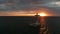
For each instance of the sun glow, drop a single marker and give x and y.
(42, 14)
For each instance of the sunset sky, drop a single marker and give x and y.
(19, 7)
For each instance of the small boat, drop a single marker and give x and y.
(37, 23)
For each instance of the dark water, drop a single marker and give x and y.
(19, 25)
(53, 24)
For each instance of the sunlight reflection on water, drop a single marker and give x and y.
(44, 28)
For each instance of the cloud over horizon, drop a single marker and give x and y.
(29, 5)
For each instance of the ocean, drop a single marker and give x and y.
(20, 24)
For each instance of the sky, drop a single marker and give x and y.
(8, 7)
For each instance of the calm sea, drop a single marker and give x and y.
(19, 25)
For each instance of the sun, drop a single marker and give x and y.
(42, 14)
